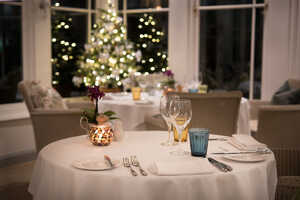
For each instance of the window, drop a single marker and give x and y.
(147, 27)
(70, 28)
(230, 45)
(11, 70)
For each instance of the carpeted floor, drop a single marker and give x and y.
(14, 181)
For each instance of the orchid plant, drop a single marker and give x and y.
(95, 94)
(170, 79)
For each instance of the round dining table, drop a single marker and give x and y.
(134, 114)
(55, 177)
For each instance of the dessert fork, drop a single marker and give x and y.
(126, 163)
(136, 163)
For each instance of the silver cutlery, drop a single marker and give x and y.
(108, 160)
(221, 166)
(218, 139)
(136, 163)
(265, 151)
(127, 164)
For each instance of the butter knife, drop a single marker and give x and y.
(221, 166)
(107, 158)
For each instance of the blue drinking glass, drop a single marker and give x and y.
(198, 141)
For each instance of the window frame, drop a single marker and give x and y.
(253, 6)
(181, 41)
(15, 110)
(89, 11)
(125, 11)
(31, 51)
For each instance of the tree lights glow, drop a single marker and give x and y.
(108, 54)
(152, 43)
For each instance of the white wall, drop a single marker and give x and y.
(16, 138)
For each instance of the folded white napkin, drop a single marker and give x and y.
(176, 168)
(246, 142)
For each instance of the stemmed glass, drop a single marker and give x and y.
(181, 115)
(164, 108)
(143, 84)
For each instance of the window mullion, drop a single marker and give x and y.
(125, 16)
(252, 52)
(89, 21)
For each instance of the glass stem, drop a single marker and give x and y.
(169, 130)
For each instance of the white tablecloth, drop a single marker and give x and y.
(54, 177)
(133, 115)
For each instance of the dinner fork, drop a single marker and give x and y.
(136, 163)
(126, 163)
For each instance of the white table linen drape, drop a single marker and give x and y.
(54, 177)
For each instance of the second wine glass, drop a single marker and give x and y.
(181, 115)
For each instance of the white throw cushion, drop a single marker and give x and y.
(46, 97)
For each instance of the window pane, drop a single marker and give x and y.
(69, 34)
(70, 3)
(260, 1)
(258, 53)
(94, 24)
(225, 49)
(120, 4)
(93, 4)
(136, 4)
(150, 33)
(223, 2)
(10, 53)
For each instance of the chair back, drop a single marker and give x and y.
(217, 111)
(279, 128)
(25, 89)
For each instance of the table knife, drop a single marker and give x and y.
(221, 166)
(107, 158)
(244, 152)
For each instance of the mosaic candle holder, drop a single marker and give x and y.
(101, 135)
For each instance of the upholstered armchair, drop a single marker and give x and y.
(51, 121)
(278, 126)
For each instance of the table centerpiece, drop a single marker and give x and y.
(98, 125)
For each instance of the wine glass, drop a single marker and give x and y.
(164, 111)
(143, 84)
(181, 115)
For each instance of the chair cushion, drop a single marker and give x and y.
(45, 97)
(286, 95)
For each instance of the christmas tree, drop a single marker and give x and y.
(64, 53)
(153, 44)
(108, 57)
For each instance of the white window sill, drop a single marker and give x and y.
(13, 111)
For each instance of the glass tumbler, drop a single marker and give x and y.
(198, 141)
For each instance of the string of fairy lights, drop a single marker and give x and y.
(62, 46)
(154, 59)
(109, 57)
